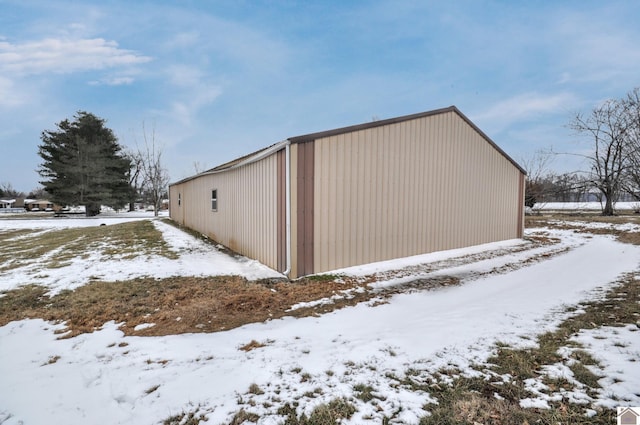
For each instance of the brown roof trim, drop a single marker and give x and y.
(238, 160)
(313, 136)
(319, 135)
(491, 142)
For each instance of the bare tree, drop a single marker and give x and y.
(606, 127)
(38, 193)
(632, 115)
(6, 189)
(537, 168)
(135, 176)
(155, 177)
(199, 167)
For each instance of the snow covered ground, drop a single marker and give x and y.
(583, 206)
(106, 377)
(196, 258)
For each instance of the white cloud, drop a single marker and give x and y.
(199, 97)
(52, 55)
(113, 81)
(9, 97)
(184, 75)
(184, 40)
(525, 106)
(595, 46)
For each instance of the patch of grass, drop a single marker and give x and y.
(52, 360)
(184, 418)
(243, 416)
(582, 374)
(364, 392)
(331, 413)
(630, 237)
(583, 357)
(25, 302)
(255, 389)
(203, 304)
(305, 377)
(315, 393)
(473, 400)
(56, 248)
(468, 407)
(253, 345)
(323, 277)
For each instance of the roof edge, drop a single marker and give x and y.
(238, 162)
(327, 133)
(256, 156)
(491, 142)
(321, 134)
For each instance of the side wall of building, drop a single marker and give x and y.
(412, 187)
(248, 203)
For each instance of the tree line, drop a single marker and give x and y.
(83, 164)
(613, 161)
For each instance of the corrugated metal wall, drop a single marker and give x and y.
(247, 217)
(412, 187)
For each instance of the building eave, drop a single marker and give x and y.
(262, 153)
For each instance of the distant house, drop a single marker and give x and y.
(12, 205)
(40, 205)
(377, 191)
(7, 203)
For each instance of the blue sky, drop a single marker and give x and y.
(219, 79)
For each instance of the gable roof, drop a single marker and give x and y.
(259, 154)
(313, 136)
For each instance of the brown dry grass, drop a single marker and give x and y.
(630, 237)
(175, 305)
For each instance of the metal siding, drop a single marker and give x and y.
(305, 209)
(281, 212)
(417, 186)
(293, 158)
(246, 219)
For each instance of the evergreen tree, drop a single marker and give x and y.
(83, 164)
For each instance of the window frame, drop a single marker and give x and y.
(214, 200)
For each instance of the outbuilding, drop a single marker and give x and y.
(385, 189)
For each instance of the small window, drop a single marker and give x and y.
(214, 200)
(179, 199)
